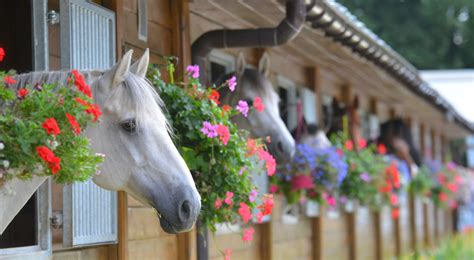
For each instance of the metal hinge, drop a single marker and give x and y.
(52, 17)
(57, 220)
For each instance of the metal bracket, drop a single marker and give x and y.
(57, 220)
(52, 17)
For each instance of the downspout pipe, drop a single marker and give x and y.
(286, 30)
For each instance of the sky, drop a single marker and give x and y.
(456, 86)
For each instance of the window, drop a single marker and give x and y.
(288, 100)
(310, 106)
(220, 64)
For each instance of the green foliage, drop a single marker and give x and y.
(421, 183)
(364, 161)
(21, 132)
(459, 247)
(217, 168)
(432, 34)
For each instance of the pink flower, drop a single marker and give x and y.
(395, 213)
(340, 152)
(253, 195)
(224, 134)
(218, 203)
(228, 197)
(227, 254)
(2, 53)
(270, 162)
(259, 217)
(331, 201)
(452, 187)
(393, 199)
(273, 188)
(193, 70)
(258, 104)
(245, 212)
(453, 204)
(208, 129)
(301, 182)
(365, 177)
(9, 80)
(243, 107)
(232, 82)
(349, 145)
(248, 234)
(362, 143)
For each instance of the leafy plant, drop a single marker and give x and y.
(40, 131)
(221, 157)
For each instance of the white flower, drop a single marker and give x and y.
(6, 164)
(2, 146)
(100, 154)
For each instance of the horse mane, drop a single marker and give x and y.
(139, 95)
(397, 127)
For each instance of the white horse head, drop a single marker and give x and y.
(255, 83)
(141, 158)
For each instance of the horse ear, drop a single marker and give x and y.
(355, 103)
(116, 74)
(241, 64)
(141, 65)
(264, 64)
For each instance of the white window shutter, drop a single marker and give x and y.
(87, 42)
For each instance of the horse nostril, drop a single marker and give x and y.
(184, 211)
(280, 147)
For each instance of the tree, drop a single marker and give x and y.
(432, 34)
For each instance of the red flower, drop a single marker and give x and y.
(214, 96)
(82, 102)
(94, 110)
(248, 234)
(362, 143)
(48, 156)
(75, 126)
(225, 109)
(258, 104)
(349, 145)
(218, 203)
(51, 126)
(381, 149)
(81, 83)
(245, 212)
(223, 133)
(9, 80)
(395, 213)
(267, 206)
(252, 147)
(273, 188)
(2, 54)
(21, 94)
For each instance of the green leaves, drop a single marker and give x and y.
(21, 132)
(215, 167)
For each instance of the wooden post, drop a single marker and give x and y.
(433, 144)
(426, 225)
(266, 241)
(398, 239)
(422, 140)
(181, 40)
(122, 247)
(347, 94)
(378, 235)
(351, 235)
(412, 220)
(317, 226)
(314, 81)
(436, 224)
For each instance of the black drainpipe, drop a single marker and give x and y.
(286, 31)
(250, 38)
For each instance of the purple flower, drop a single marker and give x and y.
(343, 199)
(253, 195)
(209, 130)
(193, 70)
(365, 177)
(243, 108)
(232, 82)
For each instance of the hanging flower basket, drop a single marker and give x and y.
(40, 136)
(221, 157)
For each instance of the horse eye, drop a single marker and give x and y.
(249, 102)
(129, 125)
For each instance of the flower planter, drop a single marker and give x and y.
(13, 196)
(312, 209)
